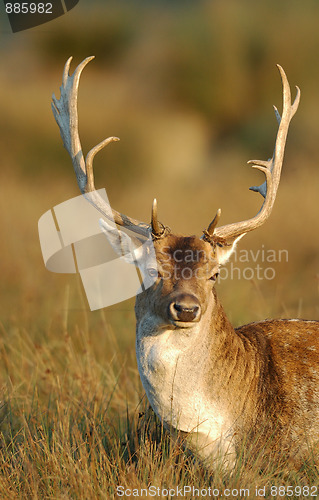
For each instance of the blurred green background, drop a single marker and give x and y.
(188, 87)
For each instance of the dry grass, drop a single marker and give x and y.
(73, 427)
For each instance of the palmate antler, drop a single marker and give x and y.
(66, 116)
(272, 170)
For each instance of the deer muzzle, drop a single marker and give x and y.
(184, 308)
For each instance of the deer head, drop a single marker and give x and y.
(186, 266)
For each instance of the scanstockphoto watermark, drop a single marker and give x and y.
(182, 491)
(244, 264)
(257, 264)
(187, 491)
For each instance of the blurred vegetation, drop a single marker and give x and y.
(212, 60)
(188, 87)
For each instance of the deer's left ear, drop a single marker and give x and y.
(131, 249)
(224, 251)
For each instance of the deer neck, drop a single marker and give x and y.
(184, 374)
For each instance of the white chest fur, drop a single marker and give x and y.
(171, 365)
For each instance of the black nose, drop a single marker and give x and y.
(184, 307)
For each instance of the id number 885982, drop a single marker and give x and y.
(28, 8)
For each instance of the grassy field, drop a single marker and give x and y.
(74, 420)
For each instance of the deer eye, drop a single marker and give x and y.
(152, 272)
(214, 277)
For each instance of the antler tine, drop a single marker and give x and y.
(66, 115)
(271, 169)
(89, 161)
(209, 233)
(158, 229)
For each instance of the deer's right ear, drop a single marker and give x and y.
(125, 246)
(224, 252)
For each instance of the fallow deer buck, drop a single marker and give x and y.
(203, 377)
